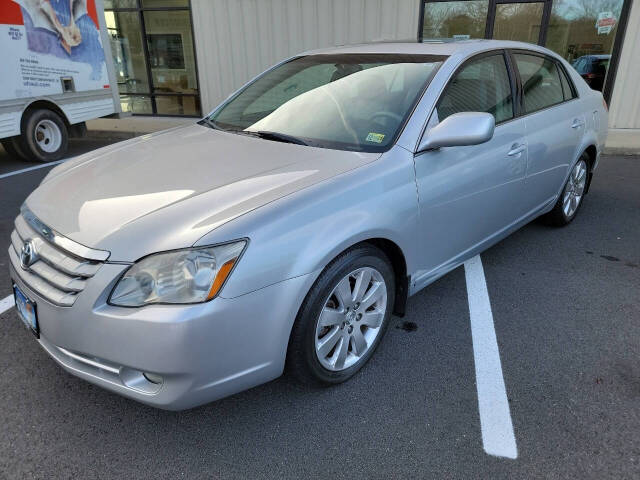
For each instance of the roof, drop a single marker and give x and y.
(428, 47)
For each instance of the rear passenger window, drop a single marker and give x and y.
(567, 86)
(480, 86)
(540, 82)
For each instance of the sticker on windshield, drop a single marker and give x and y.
(375, 137)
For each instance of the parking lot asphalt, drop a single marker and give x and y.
(566, 309)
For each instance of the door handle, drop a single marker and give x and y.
(517, 149)
(577, 123)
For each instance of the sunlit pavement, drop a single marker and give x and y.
(566, 311)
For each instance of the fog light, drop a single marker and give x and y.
(153, 378)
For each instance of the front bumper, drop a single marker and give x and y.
(202, 352)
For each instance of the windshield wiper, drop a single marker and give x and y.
(278, 137)
(267, 135)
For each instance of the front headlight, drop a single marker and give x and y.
(192, 275)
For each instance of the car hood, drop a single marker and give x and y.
(166, 190)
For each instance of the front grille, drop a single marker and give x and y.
(58, 272)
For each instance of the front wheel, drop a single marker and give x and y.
(570, 200)
(343, 318)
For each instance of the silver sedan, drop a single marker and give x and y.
(283, 230)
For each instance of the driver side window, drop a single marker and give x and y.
(481, 85)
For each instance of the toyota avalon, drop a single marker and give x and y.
(283, 230)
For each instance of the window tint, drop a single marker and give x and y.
(567, 85)
(540, 82)
(481, 86)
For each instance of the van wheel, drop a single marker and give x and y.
(343, 317)
(45, 137)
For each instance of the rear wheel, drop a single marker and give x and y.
(45, 137)
(343, 318)
(570, 200)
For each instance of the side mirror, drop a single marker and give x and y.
(459, 129)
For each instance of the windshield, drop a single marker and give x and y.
(349, 102)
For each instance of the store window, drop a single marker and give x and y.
(518, 21)
(460, 19)
(584, 32)
(154, 56)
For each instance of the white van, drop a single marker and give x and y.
(55, 74)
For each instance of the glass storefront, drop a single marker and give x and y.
(459, 19)
(518, 21)
(154, 56)
(582, 31)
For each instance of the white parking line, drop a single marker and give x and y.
(495, 418)
(36, 167)
(6, 303)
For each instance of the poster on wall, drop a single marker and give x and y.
(47, 46)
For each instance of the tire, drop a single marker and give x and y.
(44, 136)
(304, 358)
(574, 188)
(11, 146)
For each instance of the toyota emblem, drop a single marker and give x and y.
(28, 255)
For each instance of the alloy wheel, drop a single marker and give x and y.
(574, 189)
(351, 319)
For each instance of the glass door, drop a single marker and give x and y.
(154, 56)
(519, 21)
